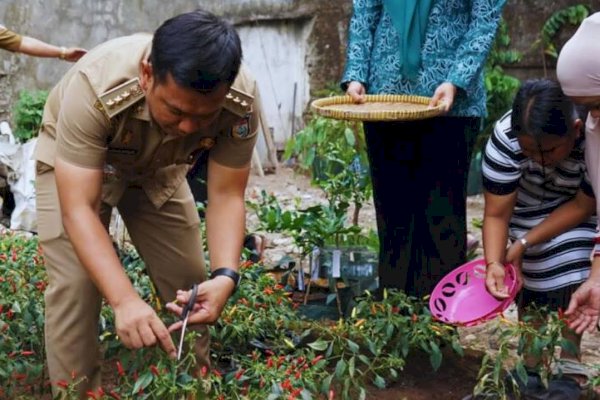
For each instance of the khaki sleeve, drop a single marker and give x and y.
(234, 146)
(9, 40)
(82, 131)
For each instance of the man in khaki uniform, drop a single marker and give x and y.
(121, 130)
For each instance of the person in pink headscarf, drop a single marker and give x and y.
(578, 71)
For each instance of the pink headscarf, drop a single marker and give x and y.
(578, 71)
(578, 67)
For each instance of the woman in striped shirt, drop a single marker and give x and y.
(538, 196)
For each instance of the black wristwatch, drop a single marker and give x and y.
(228, 272)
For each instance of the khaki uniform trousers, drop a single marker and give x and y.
(169, 242)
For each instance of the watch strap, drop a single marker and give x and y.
(228, 272)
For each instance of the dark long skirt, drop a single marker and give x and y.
(419, 171)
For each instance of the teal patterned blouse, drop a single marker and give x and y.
(459, 36)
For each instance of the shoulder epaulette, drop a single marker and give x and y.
(238, 102)
(119, 98)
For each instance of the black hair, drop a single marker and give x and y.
(198, 49)
(541, 108)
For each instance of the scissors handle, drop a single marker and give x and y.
(190, 304)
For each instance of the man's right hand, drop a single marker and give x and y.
(357, 91)
(138, 326)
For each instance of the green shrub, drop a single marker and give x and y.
(28, 114)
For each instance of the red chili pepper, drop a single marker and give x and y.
(239, 374)
(316, 359)
(331, 394)
(203, 371)
(114, 395)
(120, 369)
(154, 370)
(268, 291)
(27, 353)
(62, 384)
(91, 395)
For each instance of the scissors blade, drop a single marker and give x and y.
(184, 315)
(180, 348)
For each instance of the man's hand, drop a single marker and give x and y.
(445, 94)
(357, 91)
(138, 326)
(209, 303)
(584, 307)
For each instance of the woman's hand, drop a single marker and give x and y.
(494, 280)
(444, 94)
(514, 255)
(357, 91)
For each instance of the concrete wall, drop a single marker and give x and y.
(290, 45)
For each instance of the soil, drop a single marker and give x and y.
(457, 376)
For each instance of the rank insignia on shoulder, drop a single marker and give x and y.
(241, 129)
(238, 102)
(117, 99)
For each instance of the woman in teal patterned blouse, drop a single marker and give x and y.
(434, 48)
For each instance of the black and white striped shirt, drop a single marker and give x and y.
(563, 260)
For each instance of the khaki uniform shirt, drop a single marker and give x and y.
(9, 40)
(96, 117)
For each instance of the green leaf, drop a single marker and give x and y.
(340, 368)
(362, 395)
(143, 381)
(352, 346)
(351, 366)
(350, 137)
(326, 384)
(319, 345)
(521, 371)
(435, 357)
(379, 382)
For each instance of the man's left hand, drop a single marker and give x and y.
(209, 303)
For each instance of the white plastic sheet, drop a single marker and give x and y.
(18, 158)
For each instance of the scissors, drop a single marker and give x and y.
(184, 317)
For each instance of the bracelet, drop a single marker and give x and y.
(524, 242)
(494, 262)
(63, 53)
(228, 272)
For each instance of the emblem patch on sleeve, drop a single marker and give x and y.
(241, 129)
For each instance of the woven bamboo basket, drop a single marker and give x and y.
(377, 107)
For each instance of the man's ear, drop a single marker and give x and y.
(146, 77)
